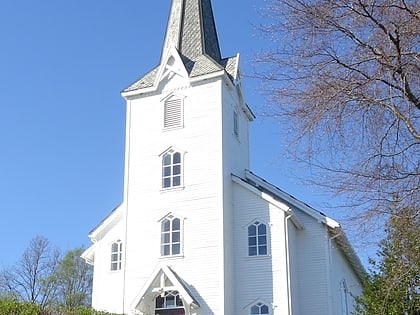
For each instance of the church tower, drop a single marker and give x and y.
(197, 232)
(187, 132)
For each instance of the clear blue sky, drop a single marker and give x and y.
(62, 67)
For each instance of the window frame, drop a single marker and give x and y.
(259, 306)
(254, 240)
(344, 297)
(170, 238)
(172, 164)
(236, 123)
(178, 303)
(173, 112)
(116, 255)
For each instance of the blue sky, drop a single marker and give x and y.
(62, 67)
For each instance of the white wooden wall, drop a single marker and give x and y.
(215, 213)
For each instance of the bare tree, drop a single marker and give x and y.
(345, 77)
(32, 278)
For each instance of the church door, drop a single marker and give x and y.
(169, 304)
(175, 311)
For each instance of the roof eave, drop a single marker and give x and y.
(93, 234)
(288, 211)
(291, 200)
(89, 254)
(344, 244)
(207, 76)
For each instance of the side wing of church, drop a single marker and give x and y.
(197, 231)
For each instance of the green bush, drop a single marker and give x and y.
(13, 307)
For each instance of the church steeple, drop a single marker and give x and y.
(191, 29)
(191, 32)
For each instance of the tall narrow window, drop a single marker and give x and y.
(259, 309)
(235, 123)
(171, 169)
(170, 236)
(116, 255)
(172, 112)
(257, 239)
(344, 298)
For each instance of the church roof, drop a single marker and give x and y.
(192, 31)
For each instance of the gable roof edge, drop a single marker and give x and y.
(338, 235)
(269, 199)
(105, 222)
(260, 182)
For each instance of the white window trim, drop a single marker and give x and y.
(344, 297)
(236, 123)
(119, 252)
(256, 301)
(181, 185)
(268, 239)
(169, 308)
(181, 236)
(167, 98)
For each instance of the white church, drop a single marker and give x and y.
(197, 232)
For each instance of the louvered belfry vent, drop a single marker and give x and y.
(173, 113)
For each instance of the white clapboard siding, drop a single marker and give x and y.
(207, 122)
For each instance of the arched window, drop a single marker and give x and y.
(170, 236)
(171, 169)
(257, 239)
(116, 255)
(259, 309)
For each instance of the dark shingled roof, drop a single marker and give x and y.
(192, 30)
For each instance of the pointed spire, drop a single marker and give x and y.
(192, 30)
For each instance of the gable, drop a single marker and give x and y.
(172, 72)
(109, 223)
(163, 279)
